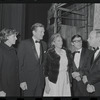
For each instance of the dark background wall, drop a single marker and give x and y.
(21, 16)
(36, 12)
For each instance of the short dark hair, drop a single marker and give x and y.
(4, 33)
(76, 36)
(34, 26)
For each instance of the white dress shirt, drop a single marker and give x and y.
(77, 58)
(96, 53)
(37, 46)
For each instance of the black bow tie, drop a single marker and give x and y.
(77, 51)
(96, 49)
(37, 41)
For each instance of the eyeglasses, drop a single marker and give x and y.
(77, 41)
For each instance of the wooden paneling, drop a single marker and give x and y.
(96, 16)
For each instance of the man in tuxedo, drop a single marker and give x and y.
(80, 56)
(92, 78)
(31, 54)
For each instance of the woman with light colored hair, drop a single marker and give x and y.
(57, 68)
(9, 72)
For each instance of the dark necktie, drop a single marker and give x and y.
(96, 49)
(37, 41)
(77, 51)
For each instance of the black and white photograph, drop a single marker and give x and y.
(50, 50)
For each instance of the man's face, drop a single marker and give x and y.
(77, 43)
(92, 39)
(39, 33)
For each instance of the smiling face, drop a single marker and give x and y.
(39, 33)
(58, 42)
(77, 43)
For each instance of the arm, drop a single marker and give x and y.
(1, 60)
(46, 71)
(47, 87)
(70, 64)
(2, 93)
(21, 56)
(46, 64)
(95, 77)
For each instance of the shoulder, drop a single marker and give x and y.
(51, 53)
(67, 50)
(25, 42)
(88, 50)
(44, 44)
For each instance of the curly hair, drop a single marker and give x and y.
(4, 33)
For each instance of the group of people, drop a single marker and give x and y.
(36, 68)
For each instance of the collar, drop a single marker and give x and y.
(6, 46)
(34, 39)
(80, 50)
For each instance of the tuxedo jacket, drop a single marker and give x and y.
(84, 61)
(30, 66)
(94, 75)
(79, 88)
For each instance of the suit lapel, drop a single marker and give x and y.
(74, 65)
(95, 60)
(82, 58)
(41, 52)
(33, 48)
(97, 57)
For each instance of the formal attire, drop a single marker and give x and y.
(9, 71)
(57, 71)
(94, 73)
(31, 56)
(80, 65)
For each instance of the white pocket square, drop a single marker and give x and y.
(44, 51)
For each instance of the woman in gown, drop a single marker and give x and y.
(57, 69)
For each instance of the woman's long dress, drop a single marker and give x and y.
(62, 86)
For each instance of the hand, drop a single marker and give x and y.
(84, 79)
(23, 85)
(75, 74)
(47, 89)
(2, 94)
(78, 78)
(90, 88)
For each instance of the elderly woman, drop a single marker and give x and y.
(9, 75)
(57, 69)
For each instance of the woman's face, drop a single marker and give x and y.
(12, 39)
(58, 42)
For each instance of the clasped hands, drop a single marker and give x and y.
(2, 94)
(90, 88)
(76, 75)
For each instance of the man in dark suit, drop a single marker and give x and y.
(92, 78)
(31, 54)
(80, 56)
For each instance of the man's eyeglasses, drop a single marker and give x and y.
(77, 41)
